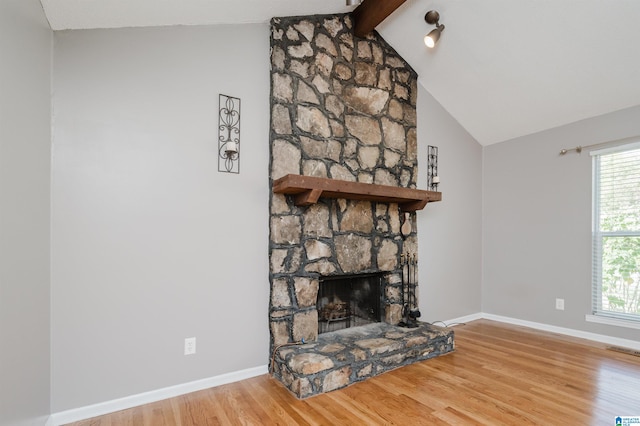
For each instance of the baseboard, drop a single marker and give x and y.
(461, 320)
(600, 338)
(103, 408)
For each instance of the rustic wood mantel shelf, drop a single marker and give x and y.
(307, 190)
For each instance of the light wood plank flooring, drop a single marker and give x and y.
(499, 375)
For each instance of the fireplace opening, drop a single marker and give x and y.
(346, 301)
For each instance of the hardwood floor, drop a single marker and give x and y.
(499, 375)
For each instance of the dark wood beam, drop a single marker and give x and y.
(370, 13)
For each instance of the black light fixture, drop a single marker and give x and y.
(432, 17)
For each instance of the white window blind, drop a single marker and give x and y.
(616, 232)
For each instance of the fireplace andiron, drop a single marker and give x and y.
(410, 311)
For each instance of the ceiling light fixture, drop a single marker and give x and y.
(432, 17)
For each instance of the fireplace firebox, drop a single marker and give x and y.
(346, 301)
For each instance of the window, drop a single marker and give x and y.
(616, 232)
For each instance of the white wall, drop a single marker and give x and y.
(150, 243)
(537, 223)
(449, 231)
(25, 75)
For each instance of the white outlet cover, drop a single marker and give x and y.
(190, 346)
(560, 304)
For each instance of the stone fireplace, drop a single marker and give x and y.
(342, 108)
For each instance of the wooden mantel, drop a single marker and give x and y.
(307, 190)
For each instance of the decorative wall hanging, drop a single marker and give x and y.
(228, 134)
(433, 180)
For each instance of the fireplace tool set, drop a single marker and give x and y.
(410, 311)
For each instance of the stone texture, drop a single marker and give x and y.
(334, 105)
(384, 79)
(277, 259)
(325, 43)
(412, 144)
(341, 108)
(279, 332)
(322, 267)
(394, 135)
(384, 177)
(321, 84)
(306, 290)
(286, 229)
(281, 119)
(395, 110)
(300, 68)
(316, 249)
(364, 99)
(393, 313)
(307, 28)
(388, 256)
(344, 357)
(321, 149)
(286, 159)
(279, 204)
(353, 252)
(314, 168)
(300, 51)
(366, 129)
(312, 120)
(333, 26)
(368, 156)
(316, 221)
(391, 158)
(366, 74)
(336, 379)
(280, 293)
(306, 94)
(337, 129)
(343, 72)
(357, 217)
(277, 58)
(324, 63)
(310, 363)
(305, 326)
(282, 87)
(340, 172)
(364, 50)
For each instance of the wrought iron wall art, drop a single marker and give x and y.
(228, 134)
(433, 179)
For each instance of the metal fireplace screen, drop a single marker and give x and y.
(349, 301)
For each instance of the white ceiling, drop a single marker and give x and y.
(502, 68)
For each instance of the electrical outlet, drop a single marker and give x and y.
(190, 346)
(560, 304)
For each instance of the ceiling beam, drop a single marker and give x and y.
(371, 12)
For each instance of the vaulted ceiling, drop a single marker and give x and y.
(502, 68)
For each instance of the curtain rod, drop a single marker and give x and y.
(578, 149)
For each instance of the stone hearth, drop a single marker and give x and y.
(340, 358)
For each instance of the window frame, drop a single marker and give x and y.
(599, 315)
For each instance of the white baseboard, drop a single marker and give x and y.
(100, 409)
(462, 320)
(601, 338)
(103, 408)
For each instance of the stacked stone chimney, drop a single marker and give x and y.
(343, 108)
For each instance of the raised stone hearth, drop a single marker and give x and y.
(340, 358)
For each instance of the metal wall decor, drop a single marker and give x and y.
(228, 134)
(433, 180)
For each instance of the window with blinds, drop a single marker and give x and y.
(616, 232)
